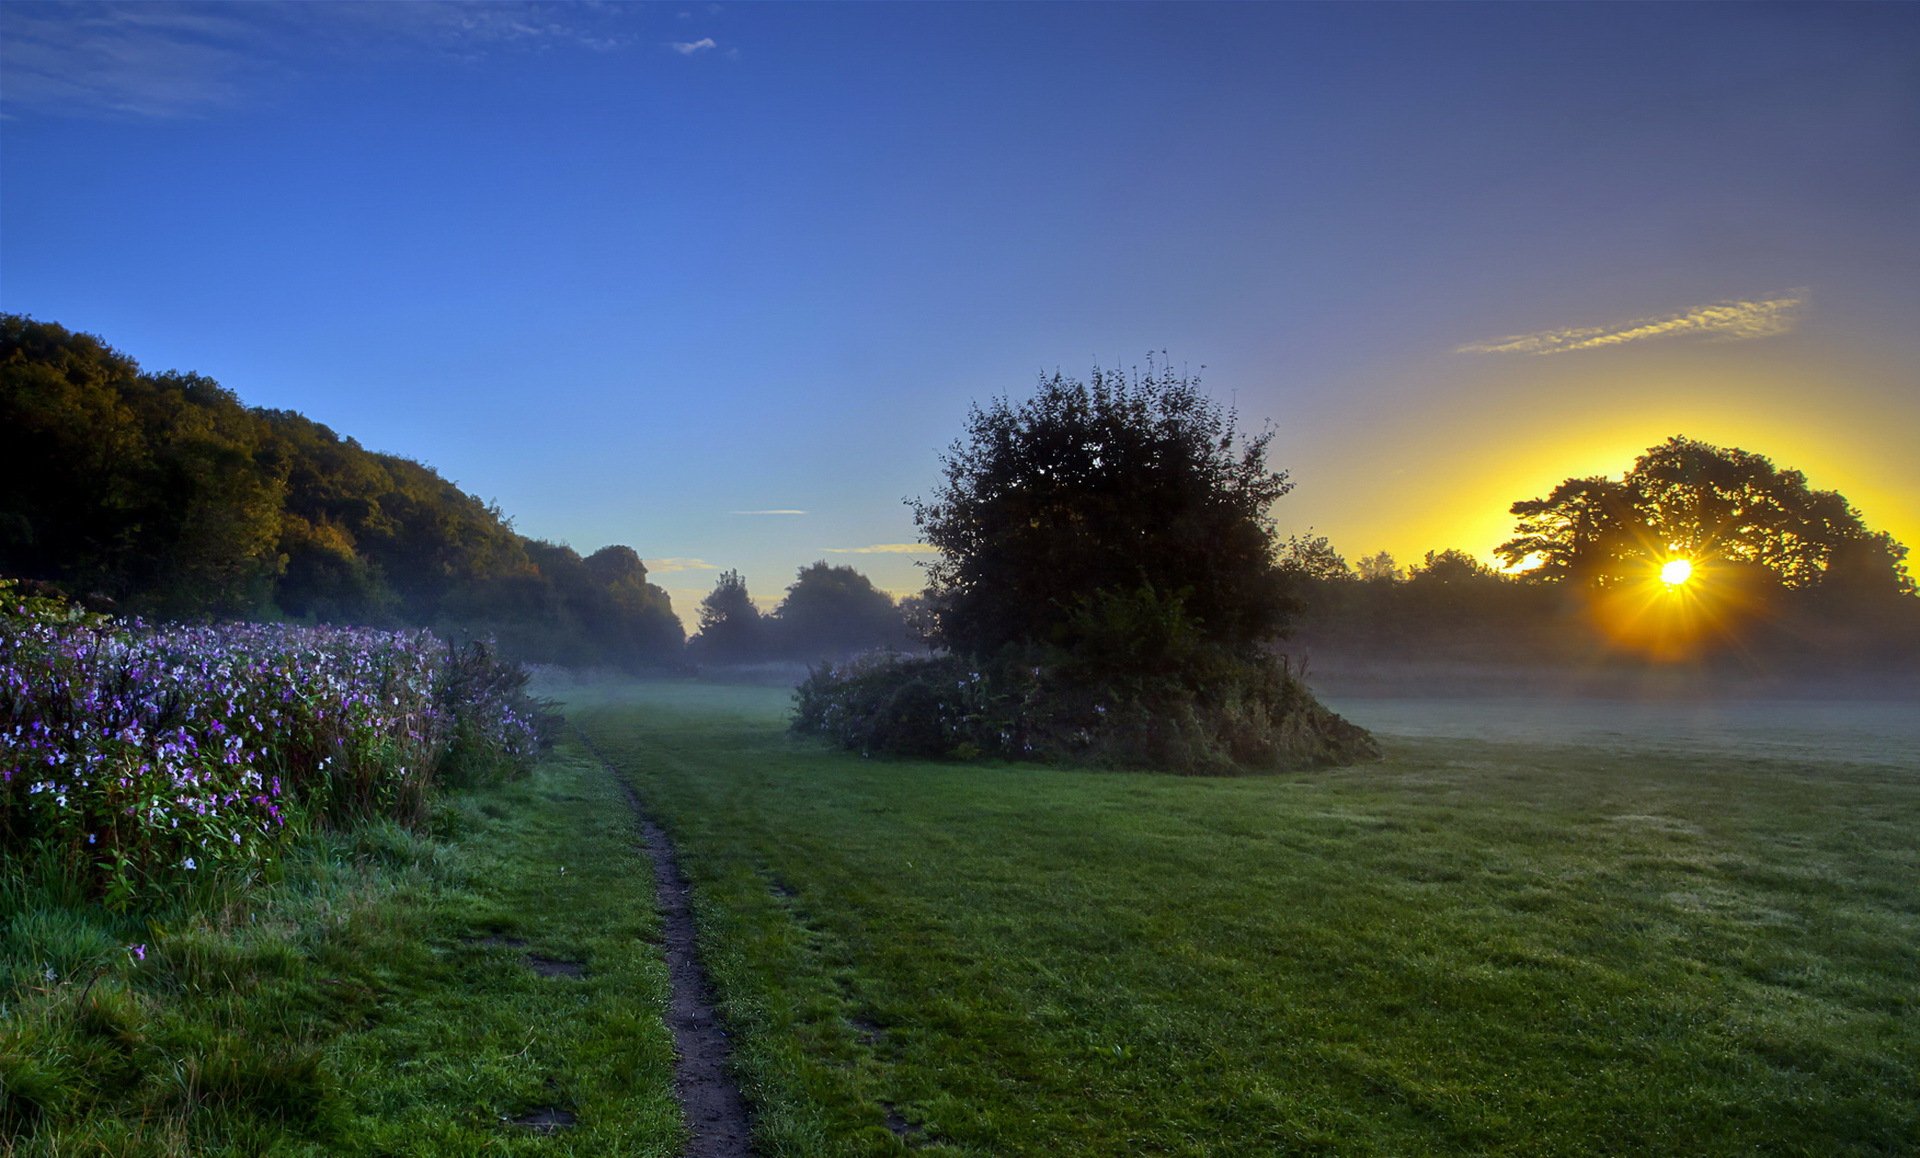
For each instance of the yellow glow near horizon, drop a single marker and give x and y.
(1676, 571)
(1481, 433)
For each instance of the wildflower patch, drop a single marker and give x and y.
(142, 758)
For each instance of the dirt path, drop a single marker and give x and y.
(715, 1113)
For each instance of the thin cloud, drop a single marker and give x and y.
(676, 564)
(171, 60)
(1728, 321)
(146, 61)
(689, 47)
(756, 514)
(883, 549)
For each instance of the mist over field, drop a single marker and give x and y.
(1857, 724)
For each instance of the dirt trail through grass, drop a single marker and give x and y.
(716, 1115)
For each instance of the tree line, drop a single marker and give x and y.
(164, 496)
(1774, 569)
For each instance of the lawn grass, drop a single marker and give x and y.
(378, 999)
(1471, 947)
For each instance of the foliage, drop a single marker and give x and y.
(1106, 588)
(832, 612)
(1111, 707)
(1311, 557)
(1103, 486)
(140, 760)
(163, 492)
(732, 629)
(828, 613)
(1378, 568)
(1451, 566)
(1710, 505)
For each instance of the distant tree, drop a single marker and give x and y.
(1378, 568)
(1116, 485)
(1708, 504)
(1573, 533)
(1312, 557)
(731, 627)
(1452, 566)
(831, 612)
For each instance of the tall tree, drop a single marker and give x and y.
(731, 627)
(1122, 484)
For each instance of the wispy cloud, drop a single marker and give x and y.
(170, 60)
(777, 511)
(1730, 321)
(689, 47)
(677, 564)
(883, 549)
(149, 60)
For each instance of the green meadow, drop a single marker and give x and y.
(1472, 947)
(489, 986)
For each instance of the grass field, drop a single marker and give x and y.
(1475, 946)
(444, 993)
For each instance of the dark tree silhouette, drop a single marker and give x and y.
(1106, 588)
(1574, 532)
(731, 627)
(1311, 558)
(1452, 566)
(831, 612)
(1708, 504)
(1120, 485)
(1379, 567)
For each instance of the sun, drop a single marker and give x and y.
(1674, 572)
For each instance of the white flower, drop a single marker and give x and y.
(188, 864)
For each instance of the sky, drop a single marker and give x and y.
(721, 281)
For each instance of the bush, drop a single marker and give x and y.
(1219, 713)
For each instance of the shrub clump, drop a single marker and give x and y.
(139, 759)
(1231, 714)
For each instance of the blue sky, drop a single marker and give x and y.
(640, 273)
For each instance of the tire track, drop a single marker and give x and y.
(710, 1101)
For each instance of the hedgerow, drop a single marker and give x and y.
(141, 760)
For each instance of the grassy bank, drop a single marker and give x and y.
(446, 993)
(1472, 947)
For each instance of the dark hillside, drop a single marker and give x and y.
(168, 496)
